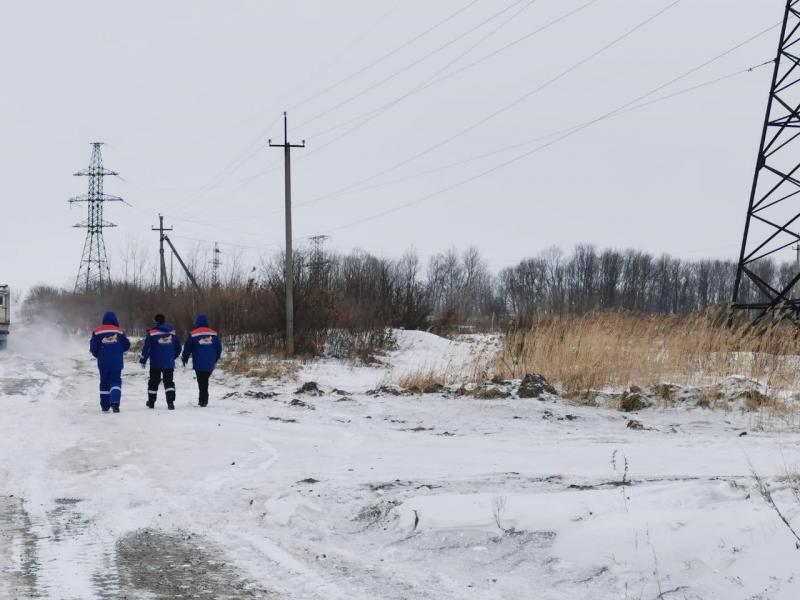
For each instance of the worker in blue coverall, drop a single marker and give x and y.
(205, 348)
(108, 345)
(161, 347)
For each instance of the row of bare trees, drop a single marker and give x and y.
(358, 291)
(589, 280)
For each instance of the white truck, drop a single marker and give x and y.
(5, 314)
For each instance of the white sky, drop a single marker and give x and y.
(179, 90)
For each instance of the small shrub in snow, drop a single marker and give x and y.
(387, 390)
(485, 392)
(309, 387)
(422, 382)
(534, 385)
(633, 400)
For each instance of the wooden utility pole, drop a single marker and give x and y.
(288, 271)
(162, 264)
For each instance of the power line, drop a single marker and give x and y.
(410, 65)
(274, 166)
(505, 108)
(577, 126)
(528, 153)
(580, 125)
(231, 167)
(485, 37)
(250, 151)
(366, 118)
(528, 142)
(426, 83)
(370, 115)
(359, 38)
(557, 132)
(206, 224)
(232, 244)
(384, 57)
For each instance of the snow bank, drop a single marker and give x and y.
(420, 351)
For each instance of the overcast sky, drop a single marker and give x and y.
(186, 93)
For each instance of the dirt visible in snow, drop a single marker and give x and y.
(19, 562)
(178, 565)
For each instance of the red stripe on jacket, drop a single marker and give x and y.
(203, 331)
(108, 329)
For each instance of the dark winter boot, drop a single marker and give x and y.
(150, 404)
(115, 409)
(170, 405)
(104, 409)
(201, 403)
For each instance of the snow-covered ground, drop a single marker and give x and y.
(357, 496)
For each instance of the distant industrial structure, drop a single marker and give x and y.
(94, 273)
(5, 314)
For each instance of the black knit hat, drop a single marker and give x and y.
(159, 319)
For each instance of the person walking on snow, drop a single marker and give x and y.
(205, 348)
(108, 344)
(161, 346)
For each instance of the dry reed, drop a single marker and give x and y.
(618, 349)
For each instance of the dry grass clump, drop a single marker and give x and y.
(619, 349)
(431, 379)
(258, 365)
(423, 381)
(790, 474)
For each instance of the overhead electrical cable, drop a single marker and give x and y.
(224, 243)
(255, 146)
(381, 109)
(353, 44)
(486, 36)
(528, 142)
(373, 114)
(251, 151)
(229, 169)
(680, 77)
(384, 57)
(517, 101)
(408, 66)
(541, 147)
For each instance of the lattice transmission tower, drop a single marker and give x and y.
(215, 265)
(94, 274)
(773, 213)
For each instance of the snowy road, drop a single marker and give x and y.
(355, 496)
